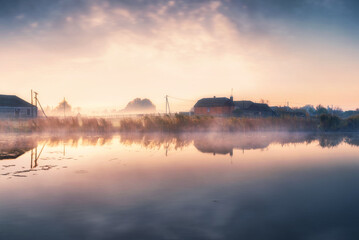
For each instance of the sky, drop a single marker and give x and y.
(103, 53)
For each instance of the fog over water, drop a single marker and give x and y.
(188, 186)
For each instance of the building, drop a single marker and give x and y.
(214, 106)
(289, 112)
(251, 109)
(12, 106)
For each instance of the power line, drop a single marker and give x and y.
(182, 99)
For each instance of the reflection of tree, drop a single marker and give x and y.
(77, 140)
(332, 140)
(225, 143)
(353, 140)
(329, 141)
(156, 141)
(221, 143)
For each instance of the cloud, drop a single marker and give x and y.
(251, 45)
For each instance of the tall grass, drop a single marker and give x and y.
(180, 123)
(334, 123)
(54, 124)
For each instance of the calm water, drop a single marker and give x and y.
(214, 186)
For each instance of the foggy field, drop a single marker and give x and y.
(180, 123)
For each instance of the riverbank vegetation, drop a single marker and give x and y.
(181, 123)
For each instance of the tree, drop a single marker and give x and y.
(321, 110)
(140, 105)
(329, 122)
(63, 108)
(309, 109)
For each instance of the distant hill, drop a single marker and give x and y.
(139, 105)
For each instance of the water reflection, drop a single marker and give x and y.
(226, 143)
(12, 147)
(126, 187)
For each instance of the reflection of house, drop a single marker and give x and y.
(214, 106)
(11, 153)
(12, 106)
(210, 147)
(251, 109)
(217, 144)
(14, 148)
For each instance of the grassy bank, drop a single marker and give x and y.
(54, 124)
(180, 123)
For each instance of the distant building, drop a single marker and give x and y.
(251, 109)
(214, 106)
(12, 106)
(289, 112)
(185, 113)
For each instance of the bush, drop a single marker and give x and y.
(329, 122)
(352, 123)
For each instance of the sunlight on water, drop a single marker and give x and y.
(204, 186)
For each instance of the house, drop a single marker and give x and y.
(214, 106)
(289, 112)
(12, 106)
(251, 109)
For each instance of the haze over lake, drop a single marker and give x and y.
(193, 186)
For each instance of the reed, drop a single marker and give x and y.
(180, 123)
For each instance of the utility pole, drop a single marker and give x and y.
(35, 100)
(64, 108)
(168, 106)
(35, 97)
(32, 103)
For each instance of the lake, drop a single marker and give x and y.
(187, 186)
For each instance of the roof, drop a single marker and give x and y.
(259, 107)
(214, 102)
(242, 104)
(251, 106)
(13, 101)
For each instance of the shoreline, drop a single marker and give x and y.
(180, 124)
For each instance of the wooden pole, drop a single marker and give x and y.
(64, 108)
